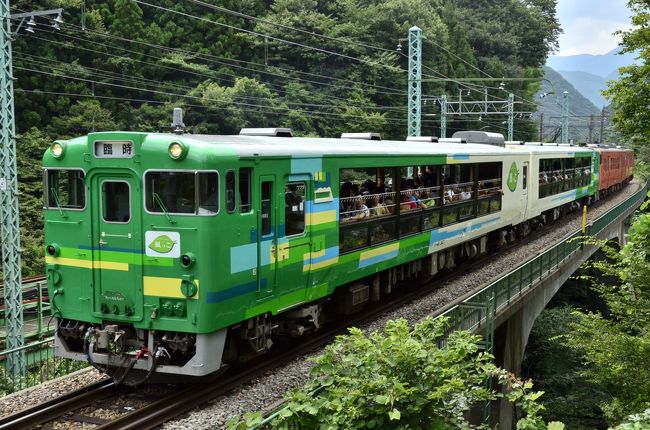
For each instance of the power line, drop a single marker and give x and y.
(254, 33)
(316, 113)
(111, 75)
(277, 24)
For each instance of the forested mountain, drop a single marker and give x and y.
(320, 67)
(580, 109)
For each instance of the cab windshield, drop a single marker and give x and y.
(181, 192)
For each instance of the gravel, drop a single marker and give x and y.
(269, 389)
(34, 396)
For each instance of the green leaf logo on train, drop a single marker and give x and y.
(162, 244)
(512, 177)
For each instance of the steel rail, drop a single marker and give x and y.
(57, 407)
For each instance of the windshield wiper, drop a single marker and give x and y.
(158, 200)
(55, 195)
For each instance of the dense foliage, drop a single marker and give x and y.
(401, 379)
(631, 93)
(617, 347)
(592, 357)
(123, 64)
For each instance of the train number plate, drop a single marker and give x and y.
(114, 149)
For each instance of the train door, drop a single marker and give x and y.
(117, 247)
(294, 243)
(267, 241)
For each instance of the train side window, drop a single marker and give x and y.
(208, 193)
(116, 202)
(230, 191)
(65, 189)
(525, 178)
(294, 208)
(267, 222)
(245, 190)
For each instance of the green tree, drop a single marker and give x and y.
(400, 379)
(617, 347)
(84, 117)
(630, 95)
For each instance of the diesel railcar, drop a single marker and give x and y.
(177, 253)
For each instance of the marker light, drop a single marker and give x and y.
(52, 250)
(188, 259)
(58, 149)
(177, 150)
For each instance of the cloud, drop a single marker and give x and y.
(589, 35)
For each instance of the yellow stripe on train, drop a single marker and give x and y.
(166, 287)
(324, 217)
(87, 264)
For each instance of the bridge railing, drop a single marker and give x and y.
(41, 366)
(36, 309)
(478, 311)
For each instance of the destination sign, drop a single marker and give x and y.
(114, 149)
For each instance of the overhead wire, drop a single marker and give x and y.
(112, 75)
(224, 61)
(165, 93)
(278, 39)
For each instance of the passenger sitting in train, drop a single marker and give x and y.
(358, 211)
(467, 194)
(375, 206)
(426, 200)
(407, 203)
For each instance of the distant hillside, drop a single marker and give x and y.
(551, 106)
(599, 65)
(589, 85)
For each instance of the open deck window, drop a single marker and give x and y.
(64, 189)
(179, 192)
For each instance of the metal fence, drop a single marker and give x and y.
(36, 309)
(41, 366)
(478, 311)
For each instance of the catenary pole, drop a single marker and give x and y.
(565, 117)
(9, 202)
(9, 212)
(415, 81)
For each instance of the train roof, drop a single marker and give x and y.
(311, 146)
(538, 148)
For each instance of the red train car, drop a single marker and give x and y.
(616, 167)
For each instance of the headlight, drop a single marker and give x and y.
(58, 149)
(177, 150)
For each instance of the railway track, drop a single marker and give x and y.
(57, 407)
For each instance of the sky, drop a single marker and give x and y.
(588, 25)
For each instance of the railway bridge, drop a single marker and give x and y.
(505, 311)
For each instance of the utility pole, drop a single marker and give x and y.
(9, 215)
(591, 128)
(541, 127)
(443, 116)
(602, 125)
(565, 117)
(511, 115)
(415, 81)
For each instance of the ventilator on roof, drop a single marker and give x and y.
(361, 136)
(483, 137)
(421, 139)
(271, 132)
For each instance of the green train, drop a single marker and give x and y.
(174, 254)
